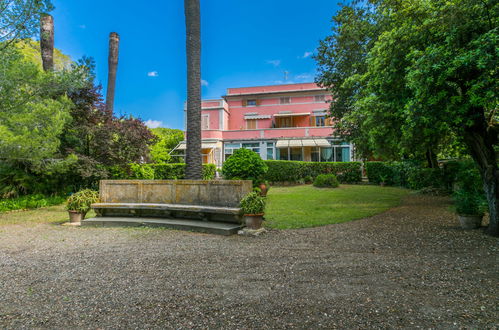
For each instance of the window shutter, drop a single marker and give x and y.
(312, 121)
(257, 102)
(244, 103)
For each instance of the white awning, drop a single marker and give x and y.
(248, 117)
(293, 143)
(206, 145)
(292, 114)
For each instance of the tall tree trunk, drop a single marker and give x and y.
(47, 42)
(480, 142)
(431, 158)
(114, 43)
(193, 158)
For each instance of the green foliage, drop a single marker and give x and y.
(20, 19)
(29, 202)
(326, 181)
(294, 171)
(253, 203)
(82, 200)
(469, 202)
(244, 164)
(142, 172)
(172, 171)
(167, 140)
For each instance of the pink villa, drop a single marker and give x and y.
(280, 122)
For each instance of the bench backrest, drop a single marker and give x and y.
(226, 193)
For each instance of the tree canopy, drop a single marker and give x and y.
(414, 76)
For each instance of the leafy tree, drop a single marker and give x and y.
(193, 158)
(428, 74)
(33, 111)
(167, 140)
(19, 19)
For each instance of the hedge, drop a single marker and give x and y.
(295, 171)
(413, 175)
(160, 172)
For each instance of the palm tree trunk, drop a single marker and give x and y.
(47, 42)
(193, 158)
(114, 43)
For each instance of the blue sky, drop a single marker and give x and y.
(244, 43)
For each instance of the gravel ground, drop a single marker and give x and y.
(409, 267)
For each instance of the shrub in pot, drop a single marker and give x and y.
(253, 208)
(326, 181)
(469, 208)
(78, 204)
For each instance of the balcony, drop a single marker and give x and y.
(269, 133)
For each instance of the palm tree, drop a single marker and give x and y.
(114, 43)
(193, 159)
(47, 41)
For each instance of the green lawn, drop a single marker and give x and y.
(51, 214)
(307, 206)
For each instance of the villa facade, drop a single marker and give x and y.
(281, 122)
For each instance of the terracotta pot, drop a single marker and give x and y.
(75, 216)
(253, 221)
(263, 190)
(470, 221)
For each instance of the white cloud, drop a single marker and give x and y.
(306, 54)
(153, 74)
(153, 123)
(204, 82)
(275, 63)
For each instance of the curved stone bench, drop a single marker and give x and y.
(141, 201)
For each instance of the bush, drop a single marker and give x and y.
(82, 200)
(29, 202)
(378, 172)
(326, 181)
(469, 202)
(253, 203)
(171, 171)
(295, 171)
(244, 164)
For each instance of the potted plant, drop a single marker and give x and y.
(78, 204)
(264, 188)
(253, 207)
(383, 179)
(469, 208)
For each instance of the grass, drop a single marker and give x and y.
(51, 214)
(307, 206)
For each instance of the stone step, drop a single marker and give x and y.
(209, 227)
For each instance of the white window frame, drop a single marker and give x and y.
(205, 123)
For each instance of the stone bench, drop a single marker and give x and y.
(128, 200)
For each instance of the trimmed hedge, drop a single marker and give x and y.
(295, 171)
(413, 175)
(172, 171)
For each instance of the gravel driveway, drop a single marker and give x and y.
(409, 267)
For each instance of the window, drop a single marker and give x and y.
(251, 103)
(282, 154)
(252, 146)
(270, 150)
(319, 98)
(250, 123)
(284, 122)
(315, 154)
(320, 121)
(205, 122)
(285, 100)
(296, 154)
